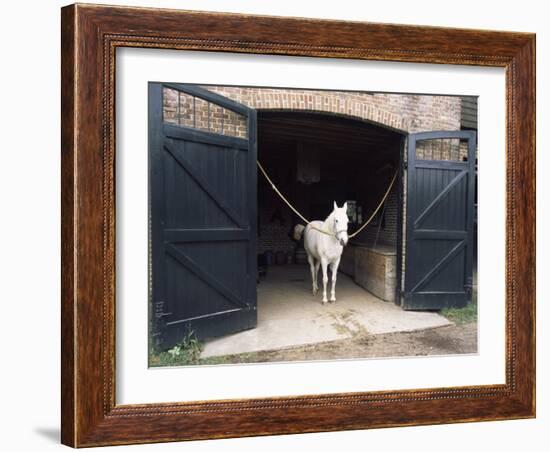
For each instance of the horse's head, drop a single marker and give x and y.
(340, 223)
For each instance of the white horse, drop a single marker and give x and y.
(325, 249)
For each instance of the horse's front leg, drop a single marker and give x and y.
(334, 271)
(324, 265)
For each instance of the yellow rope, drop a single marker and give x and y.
(276, 190)
(377, 208)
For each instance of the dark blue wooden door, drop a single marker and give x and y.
(202, 179)
(440, 219)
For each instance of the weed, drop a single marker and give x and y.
(185, 352)
(467, 314)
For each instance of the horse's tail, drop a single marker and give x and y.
(298, 231)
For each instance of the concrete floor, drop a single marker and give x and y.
(289, 315)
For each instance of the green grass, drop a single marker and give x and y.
(185, 352)
(467, 314)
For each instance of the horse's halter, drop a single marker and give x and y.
(338, 231)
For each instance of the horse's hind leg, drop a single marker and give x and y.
(313, 267)
(316, 271)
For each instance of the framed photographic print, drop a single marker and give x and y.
(278, 225)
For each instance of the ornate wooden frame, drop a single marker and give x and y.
(90, 35)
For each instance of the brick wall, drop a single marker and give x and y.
(408, 113)
(190, 111)
(444, 149)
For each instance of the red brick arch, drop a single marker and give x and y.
(364, 106)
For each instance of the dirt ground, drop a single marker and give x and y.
(453, 339)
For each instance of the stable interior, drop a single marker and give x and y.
(315, 159)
